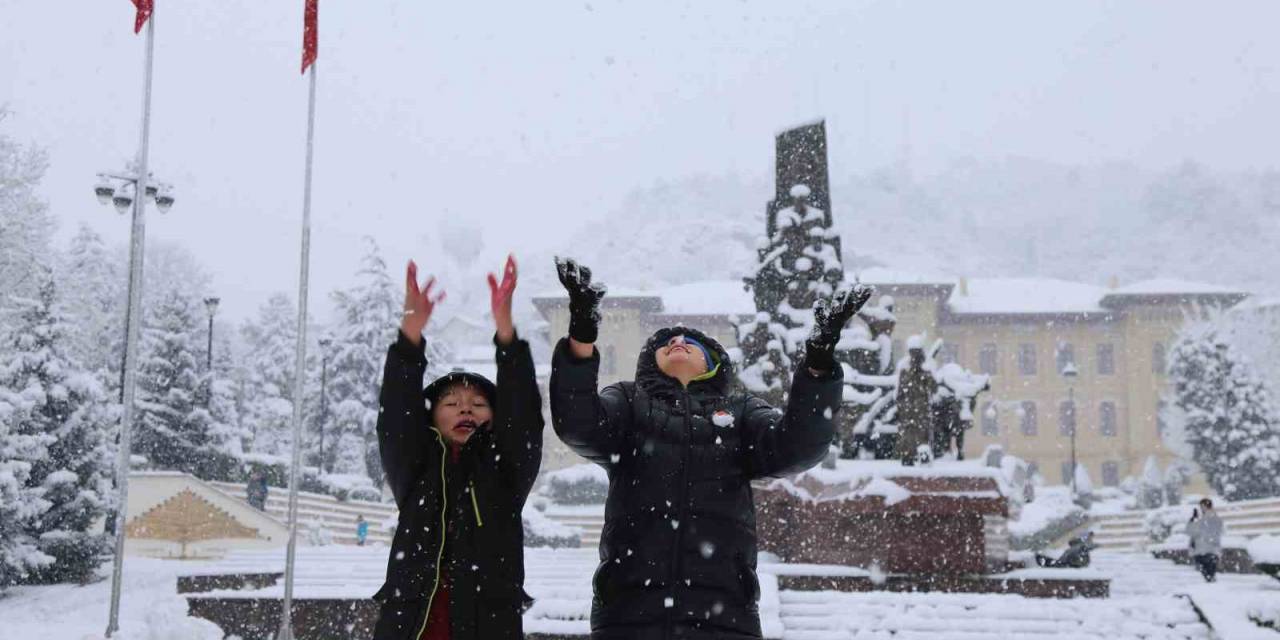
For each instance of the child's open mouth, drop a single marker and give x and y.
(466, 426)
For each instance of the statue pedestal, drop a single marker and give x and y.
(879, 515)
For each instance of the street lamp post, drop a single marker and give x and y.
(1069, 372)
(210, 304)
(134, 190)
(324, 386)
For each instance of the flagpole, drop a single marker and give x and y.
(299, 374)
(133, 326)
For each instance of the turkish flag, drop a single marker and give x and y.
(310, 40)
(144, 11)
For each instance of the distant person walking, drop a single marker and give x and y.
(1205, 531)
(256, 491)
(362, 530)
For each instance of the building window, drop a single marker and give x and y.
(1027, 359)
(1160, 423)
(988, 359)
(1027, 418)
(1066, 472)
(950, 353)
(1158, 358)
(1066, 356)
(990, 425)
(1107, 418)
(1106, 359)
(1066, 418)
(1111, 474)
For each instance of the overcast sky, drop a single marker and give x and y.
(531, 117)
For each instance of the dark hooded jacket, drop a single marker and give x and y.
(678, 549)
(459, 516)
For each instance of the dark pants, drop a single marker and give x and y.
(1207, 563)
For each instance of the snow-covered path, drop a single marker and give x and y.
(1146, 603)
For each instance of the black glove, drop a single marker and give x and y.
(584, 299)
(829, 317)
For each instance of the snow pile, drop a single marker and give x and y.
(577, 485)
(167, 620)
(541, 531)
(349, 486)
(862, 478)
(1159, 524)
(1053, 510)
(1265, 549)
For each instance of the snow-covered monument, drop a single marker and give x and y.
(798, 261)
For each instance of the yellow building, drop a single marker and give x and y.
(1021, 332)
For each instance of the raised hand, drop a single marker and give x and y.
(418, 304)
(500, 301)
(829, 318)
(584, 299)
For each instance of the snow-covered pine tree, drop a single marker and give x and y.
(271, 342)
(1230, 421)
(1151, 485)
(21, 505)
(25, 225)
(798, 261)
(22, 446)
(68, 406)
(174, 429)
(99, 299)
(227, 433)
(368, 314)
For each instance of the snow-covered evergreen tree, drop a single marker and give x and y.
(268, 408)
(175, 431)
(368, 314)
(99, 298)
(23, 445)
(21, 505)
(1229, 419)
(66, 404)
(1151, 485)
(223, 393)
(25, 224)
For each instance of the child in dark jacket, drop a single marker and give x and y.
(460, 458)
(681, 445)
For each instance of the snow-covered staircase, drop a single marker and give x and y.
(336, 518)
(1121, 531)
(588, 519)
(1244, 519)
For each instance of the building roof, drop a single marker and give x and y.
(710, 297)
(1002, 296)
(964, 296)
(1170, 286)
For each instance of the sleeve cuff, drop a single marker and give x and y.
(836, 373)
(506, 352)
(409, 351)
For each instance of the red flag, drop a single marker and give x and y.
(310, 41)
(144, 12)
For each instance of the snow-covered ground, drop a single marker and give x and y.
(1148, 601)
(150, 608)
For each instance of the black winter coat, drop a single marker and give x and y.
(678, 550)
(476, 501)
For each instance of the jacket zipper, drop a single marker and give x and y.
(444, 511)
(680, 513)
(475, 506)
